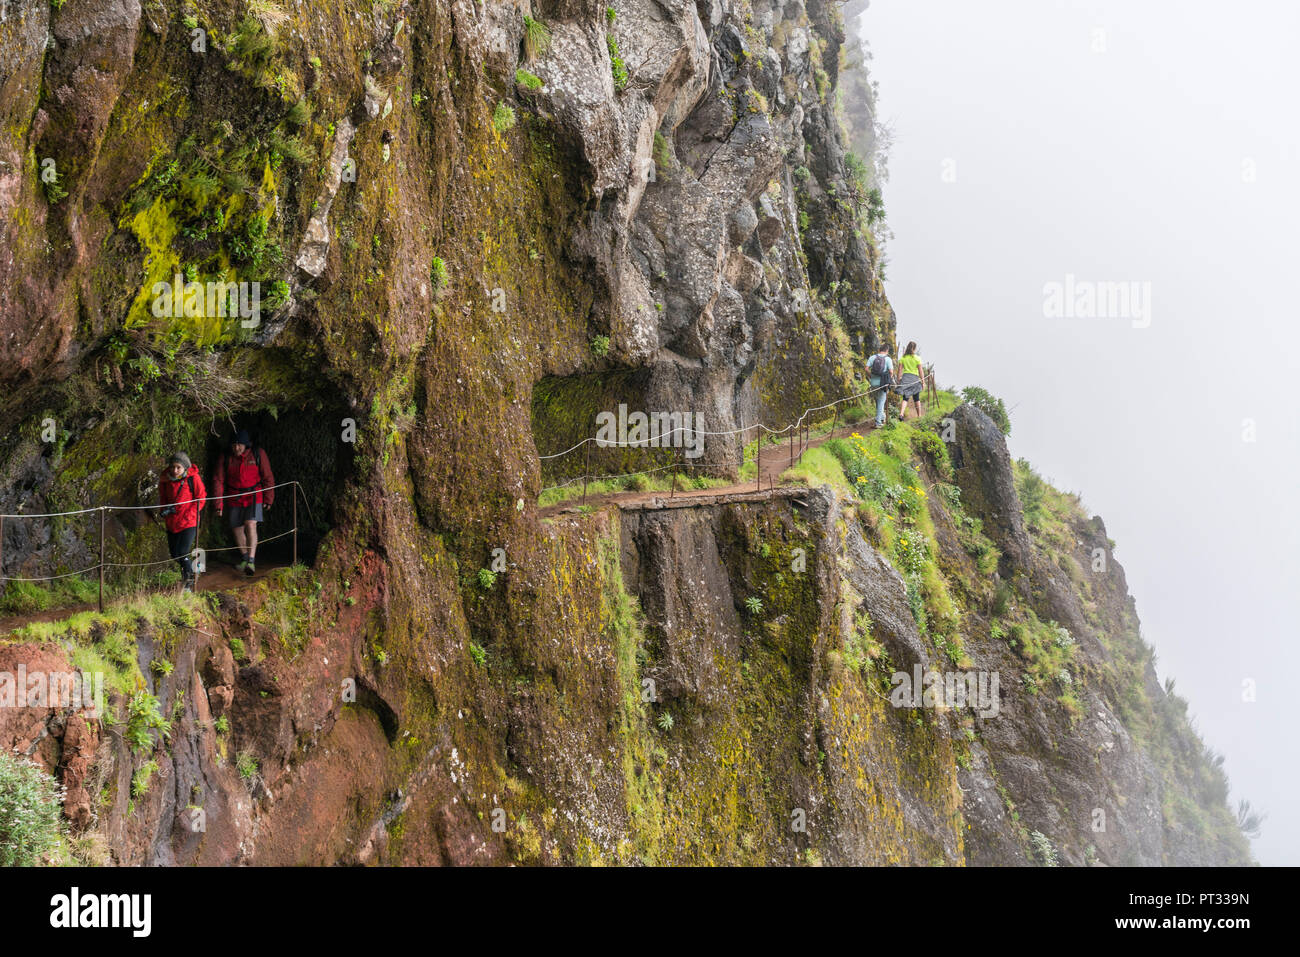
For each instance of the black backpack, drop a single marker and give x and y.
(880, 367)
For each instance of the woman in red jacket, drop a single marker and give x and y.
(181, 491)
(247, 471)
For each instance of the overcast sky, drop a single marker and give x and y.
(1146, 142)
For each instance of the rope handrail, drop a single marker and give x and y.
(103, 509)
(745, 460)
(206, 551)
(147, 508)
(798, 424)
(605, 444)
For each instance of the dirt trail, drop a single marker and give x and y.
(776, 461)
(219, 577)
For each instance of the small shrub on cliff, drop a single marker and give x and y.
(252, 46)
(616, 64)
(990, 405)
(30, 812)
(665, 722)
(600, 346)
(1043, 851)
(143, 716)
(935, 449)
(487, 579)
(754, 605)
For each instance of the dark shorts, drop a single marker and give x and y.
(239, 514)
(909, 387)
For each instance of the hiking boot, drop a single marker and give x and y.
(187, 585)
(249, 569)
(242, 563)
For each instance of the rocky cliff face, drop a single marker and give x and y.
(474, 226)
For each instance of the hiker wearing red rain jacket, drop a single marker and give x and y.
(244, 482)
(182, 495)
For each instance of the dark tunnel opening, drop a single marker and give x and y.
(303, 446)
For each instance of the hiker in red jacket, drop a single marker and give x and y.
(182, 493)
(245, 474)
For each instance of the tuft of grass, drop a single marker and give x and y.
(658, 482)
(300, 113)
(142, 777)
(438, 274)
(246, 764)
(503, 118)
(537, 39)
(529, 81)
(662, 155)
(817, 467)
(20, 598)
(293, 149)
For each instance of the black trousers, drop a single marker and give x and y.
(179, 546)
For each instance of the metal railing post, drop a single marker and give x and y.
(102, 512)
(758, 453)
(586, 471)
(295, 523)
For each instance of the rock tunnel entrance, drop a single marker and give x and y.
(305, 446)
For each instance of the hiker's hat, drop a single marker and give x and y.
(241, 438)
(180, 457)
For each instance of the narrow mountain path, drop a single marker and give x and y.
(776, 461)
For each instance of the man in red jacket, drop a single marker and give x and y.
(244, 474)
(182, 494)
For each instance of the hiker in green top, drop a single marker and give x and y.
(912, 381)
